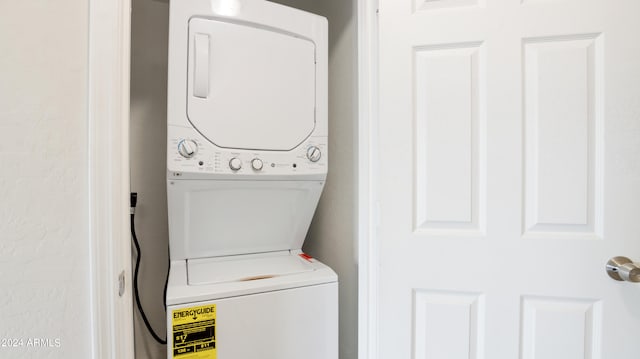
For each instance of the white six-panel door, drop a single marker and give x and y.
(509, 173)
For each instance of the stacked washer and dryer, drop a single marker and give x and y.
(246, 164)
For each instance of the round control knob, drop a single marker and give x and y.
(314, 154)
(256, 163)
(235, 164)
(187, 148)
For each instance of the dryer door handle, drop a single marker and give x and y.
(201, 65)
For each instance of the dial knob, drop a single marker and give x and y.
(235, 164)
(256, 163)
(187, 148)
(314, 154)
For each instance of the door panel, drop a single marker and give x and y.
(510, 174)
(563, 100)
(447, 189)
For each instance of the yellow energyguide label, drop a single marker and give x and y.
(194, 332)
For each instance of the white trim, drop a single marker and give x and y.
(367, 203)
(108, 122)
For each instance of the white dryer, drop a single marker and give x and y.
(246, 164)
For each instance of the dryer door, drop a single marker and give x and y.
(250, 87)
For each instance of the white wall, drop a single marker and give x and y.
(149, 46)
(44, 245)
(332, 235)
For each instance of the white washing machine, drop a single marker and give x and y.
(246, 164)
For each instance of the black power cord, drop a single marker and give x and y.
(134, 201)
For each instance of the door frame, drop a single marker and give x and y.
(367, 210)
(108, 156)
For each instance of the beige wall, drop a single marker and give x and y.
(332, 235)
(44, 236)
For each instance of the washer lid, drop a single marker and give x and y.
(250, 87)
(248, 268)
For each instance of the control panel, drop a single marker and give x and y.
(189, 152)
